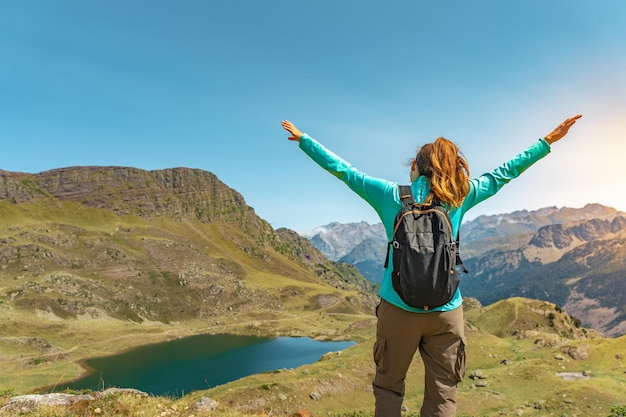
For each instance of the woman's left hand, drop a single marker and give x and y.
(561, 130)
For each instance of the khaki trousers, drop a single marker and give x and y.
(440, 338)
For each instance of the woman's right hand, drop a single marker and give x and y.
(561, 130)
(292, 129)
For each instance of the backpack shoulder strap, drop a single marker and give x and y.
(406, 195)
(459, 262)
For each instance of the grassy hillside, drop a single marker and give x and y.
(517, 347)
(78, 282)
(92, 268)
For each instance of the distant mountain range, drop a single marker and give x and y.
(360, 244)
(336, 240)
(574, 257)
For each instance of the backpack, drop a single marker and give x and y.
(424, 254)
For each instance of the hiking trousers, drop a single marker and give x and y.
(440, 338)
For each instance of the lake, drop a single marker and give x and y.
(180, 366)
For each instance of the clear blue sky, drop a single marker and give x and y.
(204, 84)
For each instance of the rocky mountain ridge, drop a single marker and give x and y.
(523, 221)
(175, 192)
(336, 240)
(561, 255)
(580, 267)
(160, 245)
(360, 244)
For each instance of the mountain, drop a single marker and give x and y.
(511, 230)
(570, 256)
(117, 256)
(503, 231)
(360, 244)
(524, 221)
(368, 256)
(336, 240)
(581, 267)
(175, 226)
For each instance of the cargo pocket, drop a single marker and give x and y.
(459, 367)
(379, 355)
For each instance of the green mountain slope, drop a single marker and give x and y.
(92, 252)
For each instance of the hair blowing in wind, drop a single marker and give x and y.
(446, 169)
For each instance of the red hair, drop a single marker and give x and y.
(448, 171)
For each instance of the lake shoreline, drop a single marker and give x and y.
(86, 364)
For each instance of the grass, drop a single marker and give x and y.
(138, 262)
(76, 340)
(342, 380)
(129, 405)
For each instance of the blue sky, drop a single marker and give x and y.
(204, 84)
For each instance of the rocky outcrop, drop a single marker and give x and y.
(561, 236)
(554, 235)
(524, 221)
(176, 192)
(24, 404)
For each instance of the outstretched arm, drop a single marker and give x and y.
(379, 193)
(490, 183)
(292, 129)
(562, 129)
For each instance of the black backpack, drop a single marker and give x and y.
(424, 254)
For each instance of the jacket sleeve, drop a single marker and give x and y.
(375, 191)
(490, 183)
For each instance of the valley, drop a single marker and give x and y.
(95, 261)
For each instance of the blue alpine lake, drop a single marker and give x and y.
(177, 367)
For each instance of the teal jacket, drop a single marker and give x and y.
(383, 196)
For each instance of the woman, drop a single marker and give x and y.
(438, 171)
